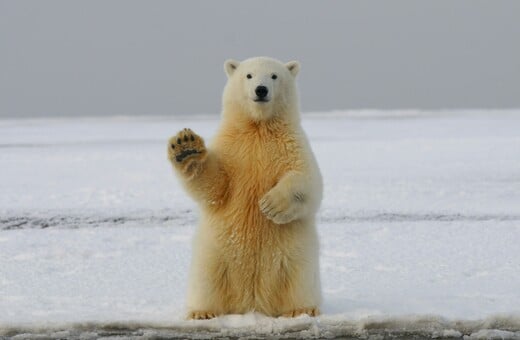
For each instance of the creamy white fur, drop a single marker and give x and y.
(259, 188)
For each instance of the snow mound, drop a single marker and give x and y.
(257, 326)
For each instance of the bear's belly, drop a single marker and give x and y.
(259, 265)
(258, 262)
(242, 221)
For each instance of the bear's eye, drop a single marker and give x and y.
(249, 76)
(274, 76)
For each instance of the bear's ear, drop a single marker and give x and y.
(230, 66)
(293, 67)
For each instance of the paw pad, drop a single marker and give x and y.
(185, 154)
(185, 144)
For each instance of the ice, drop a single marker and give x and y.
(419, 228)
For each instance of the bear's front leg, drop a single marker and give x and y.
(286, 201)
(200, 170)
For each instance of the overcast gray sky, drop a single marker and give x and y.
(165, 57)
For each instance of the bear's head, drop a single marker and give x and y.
(261, 88)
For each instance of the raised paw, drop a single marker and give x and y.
(185, 148)
(312, 311)
(201, 315)
(281, 207)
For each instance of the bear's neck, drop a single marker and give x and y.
(248, 130)
(233, 115)
(270, 125)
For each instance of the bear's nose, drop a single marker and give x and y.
(261, 91)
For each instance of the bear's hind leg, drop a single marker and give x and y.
(201, 315)
(296, 276)
(208, 282)
(216, 286)
(311, 311)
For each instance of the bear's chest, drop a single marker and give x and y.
(256, 164)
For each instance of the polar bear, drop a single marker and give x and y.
(258, 187)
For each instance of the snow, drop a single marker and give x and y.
(419, 228)
(493, 334)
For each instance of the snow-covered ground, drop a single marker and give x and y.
(419, 228)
